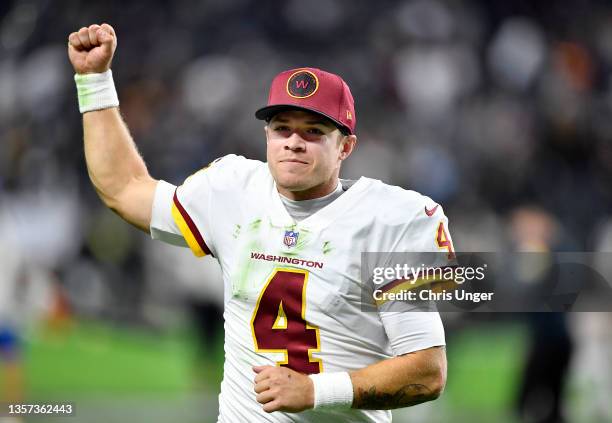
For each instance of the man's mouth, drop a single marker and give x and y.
(293, 161)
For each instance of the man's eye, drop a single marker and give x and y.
(281, 128)
(315, 131)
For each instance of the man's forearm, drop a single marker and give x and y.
(114, 164)
(401, 381)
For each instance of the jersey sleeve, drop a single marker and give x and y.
(428, 232)
(410, 331)
(185, 215)
(163, 227)
(423, 242)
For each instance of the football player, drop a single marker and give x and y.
(288, 234)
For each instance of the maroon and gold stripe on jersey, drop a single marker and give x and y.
(190, 232)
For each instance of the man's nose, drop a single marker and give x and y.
(295, 142)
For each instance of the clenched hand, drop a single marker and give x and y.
(283, 389)
(91, 49)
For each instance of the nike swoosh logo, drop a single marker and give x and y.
(432, 211)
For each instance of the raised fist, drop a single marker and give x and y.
(91, 49)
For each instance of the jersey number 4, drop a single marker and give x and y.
(278, 322)
(444, 242)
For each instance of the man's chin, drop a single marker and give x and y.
(293, 186)
(291, 181)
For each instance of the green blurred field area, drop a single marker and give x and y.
(97, 358)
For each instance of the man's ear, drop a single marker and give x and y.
(347, 145)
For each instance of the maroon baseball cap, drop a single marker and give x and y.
(312, 90)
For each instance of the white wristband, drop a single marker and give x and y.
(332, 390)
(96, 91)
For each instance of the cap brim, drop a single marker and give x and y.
(266, 113)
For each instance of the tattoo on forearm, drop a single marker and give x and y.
(406, 396)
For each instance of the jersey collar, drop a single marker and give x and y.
(324, 217)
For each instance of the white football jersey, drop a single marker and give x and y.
(293, 291)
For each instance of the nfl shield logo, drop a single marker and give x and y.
(290, 238)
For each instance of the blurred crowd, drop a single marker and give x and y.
(487, 107)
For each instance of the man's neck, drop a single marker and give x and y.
(311, 193)
(301, 209)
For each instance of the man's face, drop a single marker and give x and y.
(305, 151)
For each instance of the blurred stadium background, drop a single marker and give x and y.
(500, 110)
